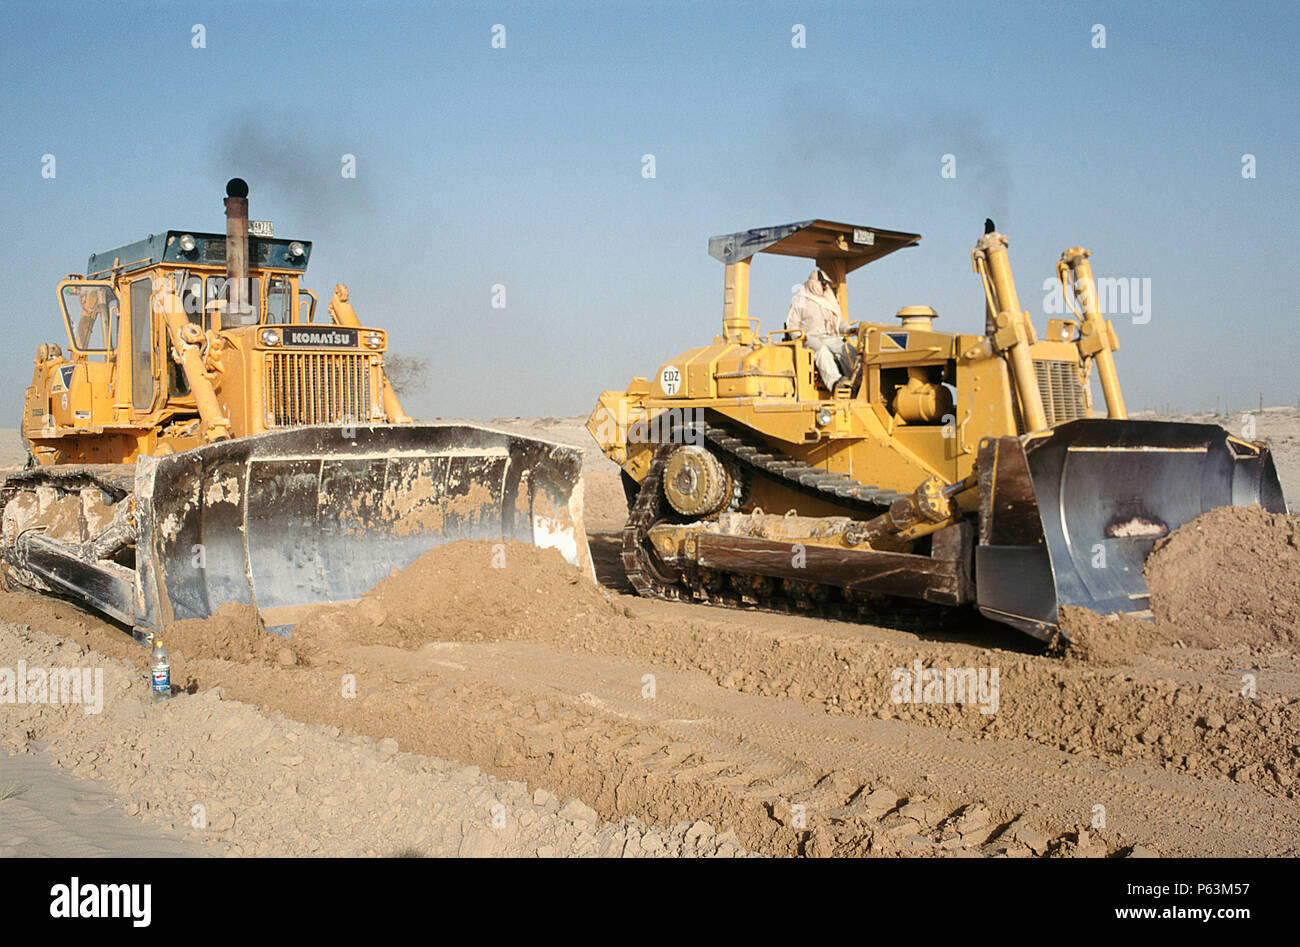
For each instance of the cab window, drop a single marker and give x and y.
(192, 298)
(91, 312)
(219, 297)
(190, 289)
(279, 301)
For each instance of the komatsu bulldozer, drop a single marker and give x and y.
(205, 440)
(959, 468)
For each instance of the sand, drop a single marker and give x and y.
(1231, 576)
(465, 591)
(47, 813)
(1230, 579)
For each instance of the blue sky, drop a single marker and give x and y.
(522, 166)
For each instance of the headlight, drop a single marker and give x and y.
(270, 336)
(823, 417)
(296, 249)
(187, 243)
(374, 340)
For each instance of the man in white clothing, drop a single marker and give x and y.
(815, 311)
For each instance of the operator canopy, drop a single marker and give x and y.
(820, 240)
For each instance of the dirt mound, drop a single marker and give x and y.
(1108, 639)
(464, 591)
(234, 633)
(1229, 577)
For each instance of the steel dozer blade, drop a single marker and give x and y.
(291, 519)
(1069, 517)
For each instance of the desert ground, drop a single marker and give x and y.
(527, 711)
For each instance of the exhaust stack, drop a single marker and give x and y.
(238, 308)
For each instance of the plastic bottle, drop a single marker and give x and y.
(162, 671)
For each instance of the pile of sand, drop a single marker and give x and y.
(234, 633)
(464, 591)
(1108, 639)
(1229, 578)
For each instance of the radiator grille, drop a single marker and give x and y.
(316, 388)
(1064, 396)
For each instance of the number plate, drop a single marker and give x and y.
(670, 379)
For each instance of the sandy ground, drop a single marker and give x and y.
(571, 431)
(730, 731)
(47, 813)
(211, 775)
(12, 451)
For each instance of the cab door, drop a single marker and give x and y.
(81, 391)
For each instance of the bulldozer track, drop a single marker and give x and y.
(116, 480)
(753, 459)
(824, 484)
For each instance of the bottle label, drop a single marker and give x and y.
(162, 679)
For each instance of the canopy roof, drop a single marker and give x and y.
(815, 240)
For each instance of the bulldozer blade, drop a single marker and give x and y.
(1070, 516)
(292, 519)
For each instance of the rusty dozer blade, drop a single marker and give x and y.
(1069, 517)
(292, 519)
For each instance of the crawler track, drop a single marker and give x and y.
(652, 579)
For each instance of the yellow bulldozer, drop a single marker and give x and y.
(952, 468)
(205, 440)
